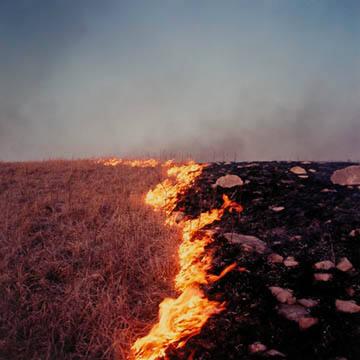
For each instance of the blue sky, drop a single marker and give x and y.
(269, 79)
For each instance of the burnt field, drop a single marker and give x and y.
(84, 263)
(297, 292)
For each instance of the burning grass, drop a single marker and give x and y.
(84, 263)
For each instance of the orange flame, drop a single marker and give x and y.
(183, 317)
(133, 163)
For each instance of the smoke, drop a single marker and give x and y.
(84, 79)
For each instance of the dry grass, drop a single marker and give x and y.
(83, 262)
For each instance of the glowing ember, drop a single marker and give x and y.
(183, 317)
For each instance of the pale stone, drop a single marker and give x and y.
(323, 277)
(229, 181)
(290, 262)
(277, 208)
(307, 322)
(248, 242)
(292, 312)
(275, 258)
(347, 176)
(308, 303)
(283, 295)
(298, 170)
(347, 306)
(257, 347)
(344, 265)
(324, 265)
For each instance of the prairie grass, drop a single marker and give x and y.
(84, 262)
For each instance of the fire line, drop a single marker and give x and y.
(183, 317)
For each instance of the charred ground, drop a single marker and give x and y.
(316, 224)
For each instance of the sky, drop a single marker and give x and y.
(214, 80)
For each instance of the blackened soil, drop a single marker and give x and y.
(315, 225)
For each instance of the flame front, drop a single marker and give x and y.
(133, 163)
(183, 317)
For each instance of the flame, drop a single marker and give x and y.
(133, 163)
(183, 317)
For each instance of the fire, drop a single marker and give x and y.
(183, 317)
(133, 163)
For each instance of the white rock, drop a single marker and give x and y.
(324, 265)
(292, 312)
(308, 303)
(312, 170)
(347, 306)
(307, 321)
(273, 352)
(229, 181)
(303, 176)
(354, 232)
(347, 176)
(284, 296)
(257, 347)
(323, 277)
(298, 170)
(277, 208)
(275, 258)
(344, 265)
(290, 262)
(248, 242)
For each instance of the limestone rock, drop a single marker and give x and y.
(292, 312)
(344, 265)
(307, 321)
(298, 170)
(229, 181)
(324, 265)
(284, 296)
(347, 176)
(308, 303)
(248, 242)
(323, 277)
(347, 306)
(290, 262)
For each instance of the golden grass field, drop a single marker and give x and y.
(84, 262)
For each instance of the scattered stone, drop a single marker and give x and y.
(298, 170)
(275, 258)
(284, 296)
(257, 347)
(347, 176)
(229, 181)
(273, 352)
(324, 265)
(308, 303)
(323, 277)
(326, 190)
(344, 264)
(347, 306)
(248, 242)
(296, 238)
(354, 232)
(277, 208)
(307, 322)
(290, 262)
(292, 312)
(312, 171)
(303, 176)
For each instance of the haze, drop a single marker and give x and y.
(255, 80)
